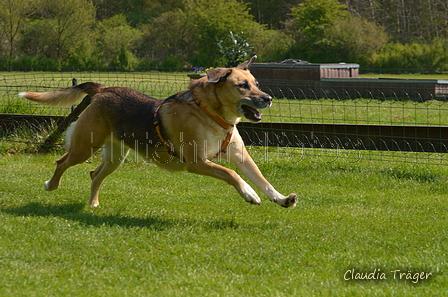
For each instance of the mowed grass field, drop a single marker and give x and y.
(376, 215)
(161, 234)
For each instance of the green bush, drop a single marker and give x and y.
(207, 29)
(271, 45)
(172, 63)
(414, 57)
(147, 64)
(124, 61)
(234, 50)
(83, 62)
(29, 63)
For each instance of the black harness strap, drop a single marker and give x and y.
(157, 122)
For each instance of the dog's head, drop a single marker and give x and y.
(233, 92)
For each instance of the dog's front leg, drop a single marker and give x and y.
(243, 161)
(206, 167)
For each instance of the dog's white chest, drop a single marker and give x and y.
(213, 145)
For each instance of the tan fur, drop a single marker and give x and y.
(119, 119)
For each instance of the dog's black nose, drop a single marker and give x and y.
(267, 98)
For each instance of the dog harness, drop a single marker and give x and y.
(220, 121)
(156, 122)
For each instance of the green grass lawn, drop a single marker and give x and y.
(157, 234)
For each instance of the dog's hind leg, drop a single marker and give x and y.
(62, 165)
(68, 160)
(113, 156)
(83, 145)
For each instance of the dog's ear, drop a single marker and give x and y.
(217, 75)
(245, 65)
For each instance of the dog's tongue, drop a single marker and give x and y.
(251, 113)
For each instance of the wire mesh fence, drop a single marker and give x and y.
(325, 121)
(157, 84)
(301, 104)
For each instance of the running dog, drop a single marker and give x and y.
(183, 132)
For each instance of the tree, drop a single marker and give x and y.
(137, 12)
(70, 19)
(37, 39)
(406, 21)
(354, 39)
(116, 42)
(191, 34)
(311, 19)
(271, 13)
(208, 28)
(13, 18)
(168, 35)
(314, 16)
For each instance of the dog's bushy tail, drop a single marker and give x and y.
(64, 97)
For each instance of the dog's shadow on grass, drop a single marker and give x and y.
(74, 212)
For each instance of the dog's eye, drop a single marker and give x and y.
(244, 85)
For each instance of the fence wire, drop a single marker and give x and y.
(294, 102)
(156, 84)
(338, 108)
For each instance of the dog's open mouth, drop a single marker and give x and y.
(251, 113)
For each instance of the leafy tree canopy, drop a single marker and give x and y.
(314, 16)
(179, 34)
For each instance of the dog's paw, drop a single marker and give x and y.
(250, 195)
(290, 201)
(48, 186)
(94, 201)
(95, 204)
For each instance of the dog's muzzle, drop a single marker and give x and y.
(249, 107)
